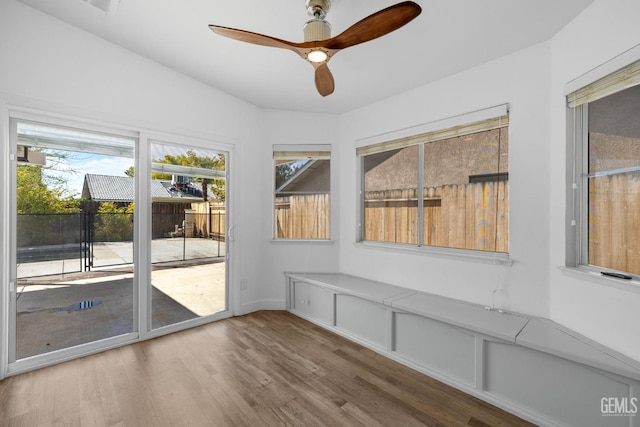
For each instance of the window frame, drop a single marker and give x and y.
(142, 228)
(578, 222)
(615, 75)
(311, 151)
(434, 131)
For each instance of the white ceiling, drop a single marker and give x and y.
(448, 37)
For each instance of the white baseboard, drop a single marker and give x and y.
(250, 307)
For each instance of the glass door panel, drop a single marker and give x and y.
(188, 274)
(73, 238)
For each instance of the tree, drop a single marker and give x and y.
(33, 196)
(131, 173)
(191, 159)
(285, 171)
(113, 223)
(44, 213)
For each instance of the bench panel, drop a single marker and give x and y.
(560, 389)
(435, 345)
(365, 319)
(312, 301)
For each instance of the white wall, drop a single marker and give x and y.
(53, 67)
(532, 81)
(522, 80)
(57, 68)
(594, 307)
(285, 127)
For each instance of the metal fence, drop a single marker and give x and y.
(106, 239)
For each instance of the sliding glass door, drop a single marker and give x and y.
(188, 222)
(114, 238)
(73, 239)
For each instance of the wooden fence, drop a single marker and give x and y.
(302, 217)
(209, 220)
(614, 222)
(166, 216)
(467, 216)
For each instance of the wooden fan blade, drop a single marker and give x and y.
(254, 38)
(376, 25)
(324, 79)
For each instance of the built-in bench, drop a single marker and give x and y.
(530, 366)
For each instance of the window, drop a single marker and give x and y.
(607, 138)
(302, 191)
(463, 198)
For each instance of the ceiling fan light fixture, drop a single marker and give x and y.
(318, 46)
(317, 55)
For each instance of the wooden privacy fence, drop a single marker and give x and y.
(302, 216)
(614, 222)
(467, 216)
(209, 220)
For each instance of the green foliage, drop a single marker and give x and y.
(35, 197)
(131, 172)
(45, 215)
(113, 223)
(48, 229)
(191, 159)
(161, 176)
(285, 171)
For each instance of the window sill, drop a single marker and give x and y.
(594, 276)
(301, 242)
(450, 253)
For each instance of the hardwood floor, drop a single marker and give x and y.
(268, 368)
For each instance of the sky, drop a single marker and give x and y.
(74, 168)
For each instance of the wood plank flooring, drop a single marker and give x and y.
(268, 368)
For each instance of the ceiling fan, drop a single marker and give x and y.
(319, 47)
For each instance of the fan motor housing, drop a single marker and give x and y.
(317, 29)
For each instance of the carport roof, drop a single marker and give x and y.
(108, 188)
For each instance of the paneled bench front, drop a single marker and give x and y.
(530, 366)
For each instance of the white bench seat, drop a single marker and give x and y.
(370, 290)
(550, 337)
(525, 364)
(469, 316)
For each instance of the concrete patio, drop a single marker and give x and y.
(58, 308)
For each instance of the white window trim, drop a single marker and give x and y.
(615, 75)
(297, 151)
(577, 237)
(600, 72)
(436, 125)
(594, 276)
